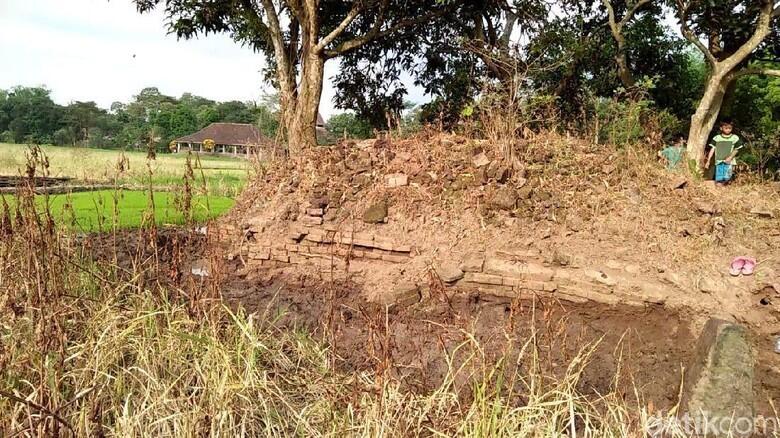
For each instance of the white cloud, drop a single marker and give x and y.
(105, 51)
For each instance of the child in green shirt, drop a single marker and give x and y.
(673, 155)
(724, 148)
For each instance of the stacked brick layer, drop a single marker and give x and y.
(504, 274)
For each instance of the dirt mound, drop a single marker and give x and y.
(411, 224)
(601, 211)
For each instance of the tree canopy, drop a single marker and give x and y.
(28, 114)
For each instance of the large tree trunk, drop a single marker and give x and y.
(299, 103)
(301, 113)
(624, 73)
(703, 120)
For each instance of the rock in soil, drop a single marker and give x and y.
(472, 262)
(200, 268)
(762, 212)
(376, 213)
(480, 160)
(711, 286)
(449, 272)
(707, 207)
(505, 198)
(403, 295)
(719, 384)
(679, 183)
(497, 172)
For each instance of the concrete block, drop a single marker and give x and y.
(472, 262)
(402, 248)
(587, 293)
(396, 180)
(372, 255)
(367, 243)
(476, 277)
(719, 382)
(517, 269)
(281, 258)
(317, 237)
(394, 258)
(310, 220)
(541, 286)
(260, 254)
(383, 243)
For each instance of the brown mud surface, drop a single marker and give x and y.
(647, 348)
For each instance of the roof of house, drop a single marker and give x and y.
(240, 134)
(320, 120)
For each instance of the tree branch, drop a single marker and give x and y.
(509, 27)
(631, 12)
(353, 13)
(283, 64)
(682, 8)
(273, 25)
(762, 30)
(755, 71)
(611, 14)
(297, 10)
(374, 33)
(256, 20)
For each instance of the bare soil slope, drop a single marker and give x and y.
(441, 218)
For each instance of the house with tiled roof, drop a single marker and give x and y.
(237, 139)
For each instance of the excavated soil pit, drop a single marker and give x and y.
(646, 347)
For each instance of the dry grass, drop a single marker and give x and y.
(136, 364)
(91, 349)
(223, 175)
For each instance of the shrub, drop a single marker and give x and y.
(348, 125)
(631, 117)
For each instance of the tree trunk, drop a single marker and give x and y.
(703, 120)
(624, 73)
(301, 114)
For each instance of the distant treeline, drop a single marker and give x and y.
(29, 115)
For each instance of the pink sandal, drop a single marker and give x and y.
(736, 266)
(749, 266)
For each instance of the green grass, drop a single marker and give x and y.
(224, 176)
(94, 211)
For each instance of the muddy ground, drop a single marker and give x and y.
(647, 347)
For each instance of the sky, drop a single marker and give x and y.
(104, 51)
